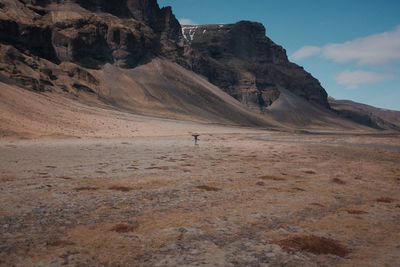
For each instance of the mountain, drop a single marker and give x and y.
(243, 61)
(91, 33)
(123, 56)
(134, 57)
(367, 115)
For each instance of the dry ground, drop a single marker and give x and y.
(238, 199)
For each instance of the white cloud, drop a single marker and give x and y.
(374, 49)
(185, 21)
(354, 79)
(306, 51)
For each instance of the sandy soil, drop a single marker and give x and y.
(240, 198)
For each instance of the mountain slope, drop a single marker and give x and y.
(367, 115)
(28, 114)
(134, 57)
(165, 89)
(291, 109)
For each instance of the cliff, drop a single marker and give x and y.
(238, 58)
(38, 36)
(243, 61)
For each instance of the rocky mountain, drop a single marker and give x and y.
(121, 56)
(238, 58)
(243, 61)
(93, 33)
(35, 34)
(134, 55)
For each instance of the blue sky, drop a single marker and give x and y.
(351, 46)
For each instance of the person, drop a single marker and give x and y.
(196, 138)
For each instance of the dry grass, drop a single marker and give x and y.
(187, 165)
(272, 178)
(163, 168)
(65, 178)
(124, 227)
(385, 200)
(299, 189)
(86, 188)
(120, 188)
(7, 178)
(317, 204)
(260, 183)
(338, 181)
(59, 243)
(132, 168)
(356, 212)
(314, 244)
(208, 188)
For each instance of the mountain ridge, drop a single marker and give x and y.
(256, 65)
(130, 33)
(368, 115)
(68, 47)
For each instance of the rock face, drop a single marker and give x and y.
(240, 59)
(42, 40)
(39, 38)
(91, 32)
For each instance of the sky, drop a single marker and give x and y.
(351, 46)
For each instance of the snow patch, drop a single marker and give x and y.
(188, 32)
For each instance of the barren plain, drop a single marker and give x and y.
(241, 198)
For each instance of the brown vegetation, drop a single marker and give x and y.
(385, 200)
(208, 188)
(59, 243)
(120, 188)
(338, 181)
(86, 188)
(124, 228)
(299, 189)
(356, 212)
(317, 204)
(273, 178)
(314, 244)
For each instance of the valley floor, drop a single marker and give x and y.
(255, 198)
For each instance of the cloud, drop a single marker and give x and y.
(184, 21)
(306, 51)
(354, 79)
(371, 50)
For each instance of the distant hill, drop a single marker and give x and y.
(367, 115)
